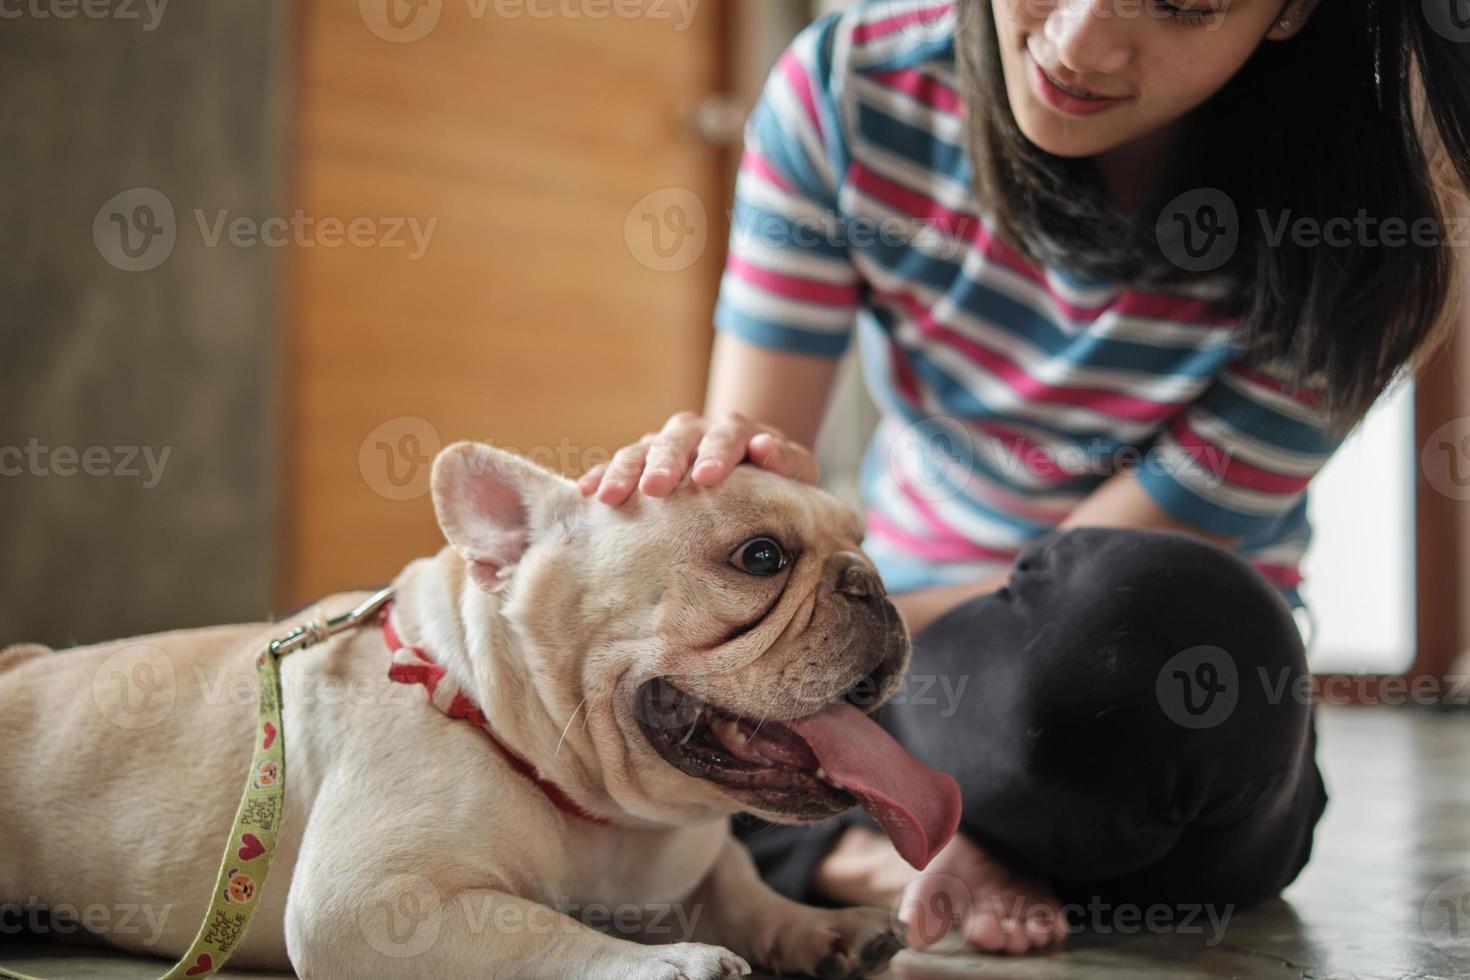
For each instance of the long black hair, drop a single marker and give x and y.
(1365, 111)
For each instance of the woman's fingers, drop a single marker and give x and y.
(782, 456)
(589, 482)
(670, 453)
(689, 443)
(623, 472)
(722, 449)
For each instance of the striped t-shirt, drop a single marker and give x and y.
(1008, 391)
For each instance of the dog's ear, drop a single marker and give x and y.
(492, 505)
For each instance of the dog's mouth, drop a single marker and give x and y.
(805, 769)
(762, 762)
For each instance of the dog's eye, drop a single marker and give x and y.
(759, 556)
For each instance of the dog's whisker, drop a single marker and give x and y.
(568, 726)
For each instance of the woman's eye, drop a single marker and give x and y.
(759, 556)
(1195, 16)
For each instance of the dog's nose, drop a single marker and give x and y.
(859, 581)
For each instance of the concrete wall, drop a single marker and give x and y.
(137, 384)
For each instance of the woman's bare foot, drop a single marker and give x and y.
(964, 887)
(991, 906)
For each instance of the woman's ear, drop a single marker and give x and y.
(492, 505)
(1291, 20)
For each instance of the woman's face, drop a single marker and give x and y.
(1151, 61)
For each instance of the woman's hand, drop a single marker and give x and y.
(963, 889)
(710, 448)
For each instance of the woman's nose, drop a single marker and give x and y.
(1092, 37)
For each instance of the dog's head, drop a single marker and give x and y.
(724, 644)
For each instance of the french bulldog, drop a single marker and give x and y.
(624, 680)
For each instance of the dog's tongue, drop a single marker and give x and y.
(917, 807)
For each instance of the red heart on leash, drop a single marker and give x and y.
(253, 847)
(204, 964)
(270, 735)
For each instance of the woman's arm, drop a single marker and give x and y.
(1121, 501)
(786, 391)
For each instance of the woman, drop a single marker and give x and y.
(1136, 266)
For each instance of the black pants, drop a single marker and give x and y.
(1128, 719)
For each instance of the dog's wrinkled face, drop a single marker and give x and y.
(723, 642)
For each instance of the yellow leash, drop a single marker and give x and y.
(252, 844)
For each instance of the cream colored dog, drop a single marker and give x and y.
(651, 668)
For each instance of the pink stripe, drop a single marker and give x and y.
(943, 551)
(878, 29)
(1013, 376)
(793, 287)
(980, 489)
(938, 526)
(970, 228)
(1288, 576)
(752, 162)
(1236, 472)
(796, 77)
(923, 88)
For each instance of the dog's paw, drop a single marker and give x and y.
(692, 961)
(834, 944)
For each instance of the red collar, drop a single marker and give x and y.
(412, 665)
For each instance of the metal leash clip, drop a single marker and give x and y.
(313, 632)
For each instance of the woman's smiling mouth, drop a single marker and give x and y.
(1071, 99)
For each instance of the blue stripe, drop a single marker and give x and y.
(768, 333)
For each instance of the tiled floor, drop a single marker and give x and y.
(1387, 895)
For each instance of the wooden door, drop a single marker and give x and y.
(556, 298)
